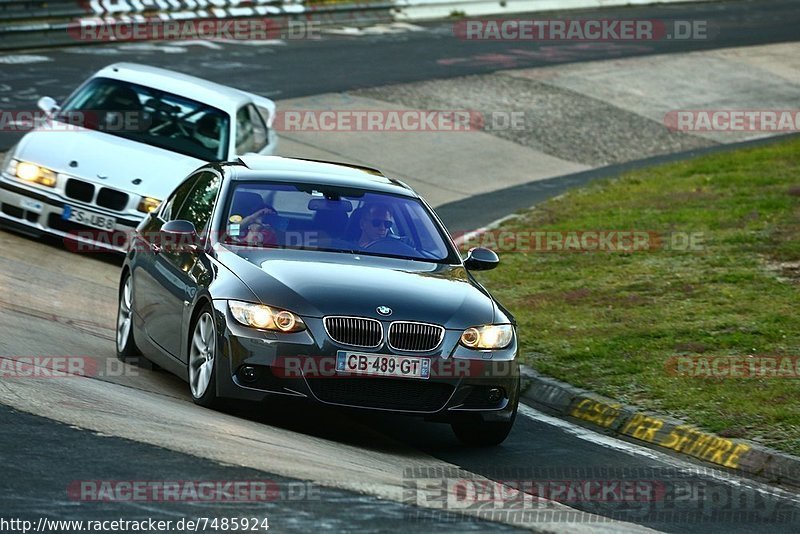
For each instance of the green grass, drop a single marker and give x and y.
(609, 321)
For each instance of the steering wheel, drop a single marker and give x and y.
(391, 245)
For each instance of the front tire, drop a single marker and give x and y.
(126, 345)
(203, 360)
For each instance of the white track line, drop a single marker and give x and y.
(632, 449)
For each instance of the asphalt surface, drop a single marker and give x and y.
(47, 478)
(475, 212)
(42, 457)
(693, 499)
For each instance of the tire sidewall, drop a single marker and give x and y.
(209, 398)
(129, 350)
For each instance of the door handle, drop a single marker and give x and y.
(155, 248)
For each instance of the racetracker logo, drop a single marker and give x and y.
(587, 30)
(12, 367)
(739, 120)
(213, 29)
(74, 121)
(750, 366)
(402, 366)
(376, 120)
(215, 491)
(533, 494)
(530, 241)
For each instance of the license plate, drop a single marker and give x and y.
(383, 365)
(88, 218)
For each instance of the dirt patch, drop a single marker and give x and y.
(786, 271)
(679, 198)
(576, 296)
(733, 432)
(693, 347)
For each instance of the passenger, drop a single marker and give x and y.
(260, 227)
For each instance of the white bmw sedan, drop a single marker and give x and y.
(120, 144)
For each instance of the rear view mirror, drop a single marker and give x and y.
(47, 104)
(316, 204)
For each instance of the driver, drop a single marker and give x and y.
(375, 224)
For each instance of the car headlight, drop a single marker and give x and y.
(489, 336)
(31, 172)
(148, 204)
(265, 317)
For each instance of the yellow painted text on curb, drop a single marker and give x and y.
(596, 412)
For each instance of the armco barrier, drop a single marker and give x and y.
(35, 24)
(408, 10)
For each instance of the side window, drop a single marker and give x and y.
(170, 206)
(259, 128)
(251, 132)
(200, 202)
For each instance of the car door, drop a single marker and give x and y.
(148, 283)
(176, 271)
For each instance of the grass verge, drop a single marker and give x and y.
(611, 321)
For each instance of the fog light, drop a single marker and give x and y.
(248, 374)
(494, 394)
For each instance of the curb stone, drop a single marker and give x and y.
(659, 432)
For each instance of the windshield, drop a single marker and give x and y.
(334, 219)
(149, 116)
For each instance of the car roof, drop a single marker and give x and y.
(283, 169)
(216, 95)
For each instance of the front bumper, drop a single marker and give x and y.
(302, 365)
(36, 211)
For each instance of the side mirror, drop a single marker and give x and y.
(179, 236)
(481, 259)
(47, 104)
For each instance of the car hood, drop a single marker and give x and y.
(121, 161)
(317, 284)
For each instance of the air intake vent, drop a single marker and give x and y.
(112, 199)
(355, 331)
(79, 190)
(383, 393)
(416, 337)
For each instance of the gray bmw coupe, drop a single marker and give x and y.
(320, 281)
